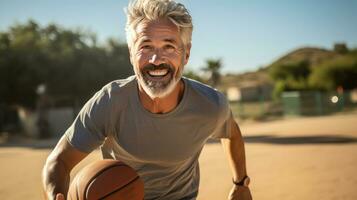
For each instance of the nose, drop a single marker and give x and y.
(156, 58)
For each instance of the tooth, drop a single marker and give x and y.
(158, 72)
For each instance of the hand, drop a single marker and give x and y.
(240, 193)
(60, 196)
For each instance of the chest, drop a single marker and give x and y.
(166, 139)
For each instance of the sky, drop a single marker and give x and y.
(245, 34)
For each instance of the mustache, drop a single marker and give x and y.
(158, 67)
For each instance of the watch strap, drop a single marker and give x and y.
(241, 182)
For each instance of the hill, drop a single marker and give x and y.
(314, 56)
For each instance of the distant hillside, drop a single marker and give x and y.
(248, 79)
(314, 56)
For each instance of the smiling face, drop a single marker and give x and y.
(158, 56)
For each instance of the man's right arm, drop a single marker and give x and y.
(56, 172)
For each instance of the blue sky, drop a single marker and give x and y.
(246, 34)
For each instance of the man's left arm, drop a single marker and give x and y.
(234, 148)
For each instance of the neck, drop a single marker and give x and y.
(164, 104)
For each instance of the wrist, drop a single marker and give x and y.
(245, 181)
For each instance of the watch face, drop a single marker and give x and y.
(246, 181)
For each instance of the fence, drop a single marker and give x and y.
(297, 103)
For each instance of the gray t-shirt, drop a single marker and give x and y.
(162, 148)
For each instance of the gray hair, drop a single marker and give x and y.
(140, 10)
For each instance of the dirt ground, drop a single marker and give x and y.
(292, 159)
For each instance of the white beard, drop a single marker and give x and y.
(158, 91)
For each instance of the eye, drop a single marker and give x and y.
(169, 48)
(146, 48)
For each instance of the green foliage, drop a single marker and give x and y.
(341, 71)
(68, 62)
(340, 48)
(293, 71)
(213, 67)
(289, 76)
(192, 74)
(279, 88)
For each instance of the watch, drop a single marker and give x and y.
(244, 182)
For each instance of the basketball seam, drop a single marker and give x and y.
(97, 174)
(136, 178)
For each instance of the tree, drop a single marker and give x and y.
(21, 65)
(339, 72)
(299, 70)
(69, 63)
(290, 76)
(213, 68)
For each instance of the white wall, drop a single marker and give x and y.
(59, 120)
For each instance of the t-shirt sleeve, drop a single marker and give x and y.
(223, 125)
(91, 125)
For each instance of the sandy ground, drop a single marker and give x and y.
(303, 158)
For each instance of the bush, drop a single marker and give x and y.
(339, 72)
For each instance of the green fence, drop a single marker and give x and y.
(297, 103)
(257, 109)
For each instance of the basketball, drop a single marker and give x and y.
(107, 180)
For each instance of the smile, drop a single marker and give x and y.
(158, 72)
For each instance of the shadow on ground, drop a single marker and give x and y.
(317, 139)
(268, 139)
(286, 140)
(31, 143)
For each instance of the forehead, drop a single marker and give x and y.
(161, 29)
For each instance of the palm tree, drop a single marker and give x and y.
(213, 67)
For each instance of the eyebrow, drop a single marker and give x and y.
(144, 41)
(169, 40)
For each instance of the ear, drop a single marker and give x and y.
(187, 53)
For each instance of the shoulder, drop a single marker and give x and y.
(207, 93)
(119, 86)
(114, 94)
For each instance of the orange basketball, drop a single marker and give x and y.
(106, 179)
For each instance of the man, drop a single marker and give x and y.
(156, 121)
